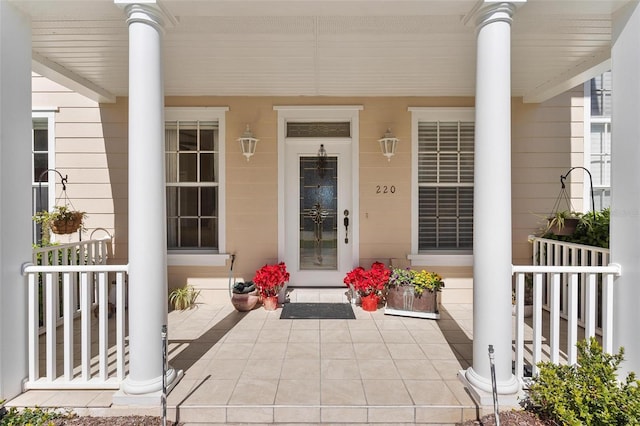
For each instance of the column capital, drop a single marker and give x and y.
(150, 12)
(488, 11)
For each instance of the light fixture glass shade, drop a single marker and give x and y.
(248, 143)
(388, 144)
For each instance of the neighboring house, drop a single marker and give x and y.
(153, 156)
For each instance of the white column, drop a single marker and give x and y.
(625, 181)
(492, 202)
(147, 208)
(15, 194)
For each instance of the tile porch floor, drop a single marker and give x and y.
(256, 368)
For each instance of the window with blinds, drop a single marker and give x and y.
(192, 181)
(445, 185)
(600, 146)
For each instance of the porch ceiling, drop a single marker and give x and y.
(322, 47)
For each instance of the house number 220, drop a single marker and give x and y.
(385, 189)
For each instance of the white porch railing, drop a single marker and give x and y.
(559, 253)
(554, 278)
(68, 299)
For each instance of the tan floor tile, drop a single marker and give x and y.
(417, 370)
(195, 415)
(296, 368)
(342, 392)
(438, 351)
(304, 335)
(231, 350)
(334, 324)
(298, 392)
(268, 351)
(378, 369)
(461, 393)
(386, 392)
(397, 336)
(254, 392)
(405, 351)
(262, 369)
(296, 415)
(244, 336)
(438, 414)
(338, 335)
(371, 351)
(275, 323)
(341, 415)
(387, 322)
(273, 335)
(250, 415)
(366, 336)
(465, 350)
(448, 369)
(339, 369)
(225, 368)
(250, 324)
(211, 391)
(308, 324)
(303, 351)
(363, 324)
(72, 398)
(31, 398)
(428, 336)
(391, 415)
(337, 351)
(430, 392)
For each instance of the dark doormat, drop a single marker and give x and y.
(317, 311)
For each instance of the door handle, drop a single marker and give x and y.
(346, 226)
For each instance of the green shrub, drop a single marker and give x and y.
(33, 416)
(587, 393)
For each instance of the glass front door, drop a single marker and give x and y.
(318, 200)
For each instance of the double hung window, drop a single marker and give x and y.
(598, 91)
(443, 180)
(194, 174)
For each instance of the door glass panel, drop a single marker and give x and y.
(318, 213)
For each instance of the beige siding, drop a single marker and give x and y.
(91, 145)
(547, 140)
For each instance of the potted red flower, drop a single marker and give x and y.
(369, 283)
(269, 280)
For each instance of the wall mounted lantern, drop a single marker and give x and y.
(248, 143)
(388, 144)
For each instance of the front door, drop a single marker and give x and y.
(318, 211)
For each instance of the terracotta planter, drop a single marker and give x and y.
(245, 302)
(270, 303)
(370, 303)
(401, 300)
(67, 226)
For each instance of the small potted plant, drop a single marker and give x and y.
(244, 296)
(368, 284)
(270, 280)
(183, 298)
(562, 223)
(413, 293)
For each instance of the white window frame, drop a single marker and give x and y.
(49, 114)
(197, 257)
(588, 121)
(436, 257)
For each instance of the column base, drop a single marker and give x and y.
(148, 393)
(509, 393)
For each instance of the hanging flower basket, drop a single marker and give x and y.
(67, 225)
(61, 220)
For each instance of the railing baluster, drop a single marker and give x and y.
(537, 321)
(85, 321)
(120, 324)
(68, 311)
(519, 325)
(103, 325)
(607, 314)
(590, 306)
(34, 326)
(51, 321)
(572, 332)
(554, 338)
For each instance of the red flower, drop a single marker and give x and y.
(271, 278)
(368, 282)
